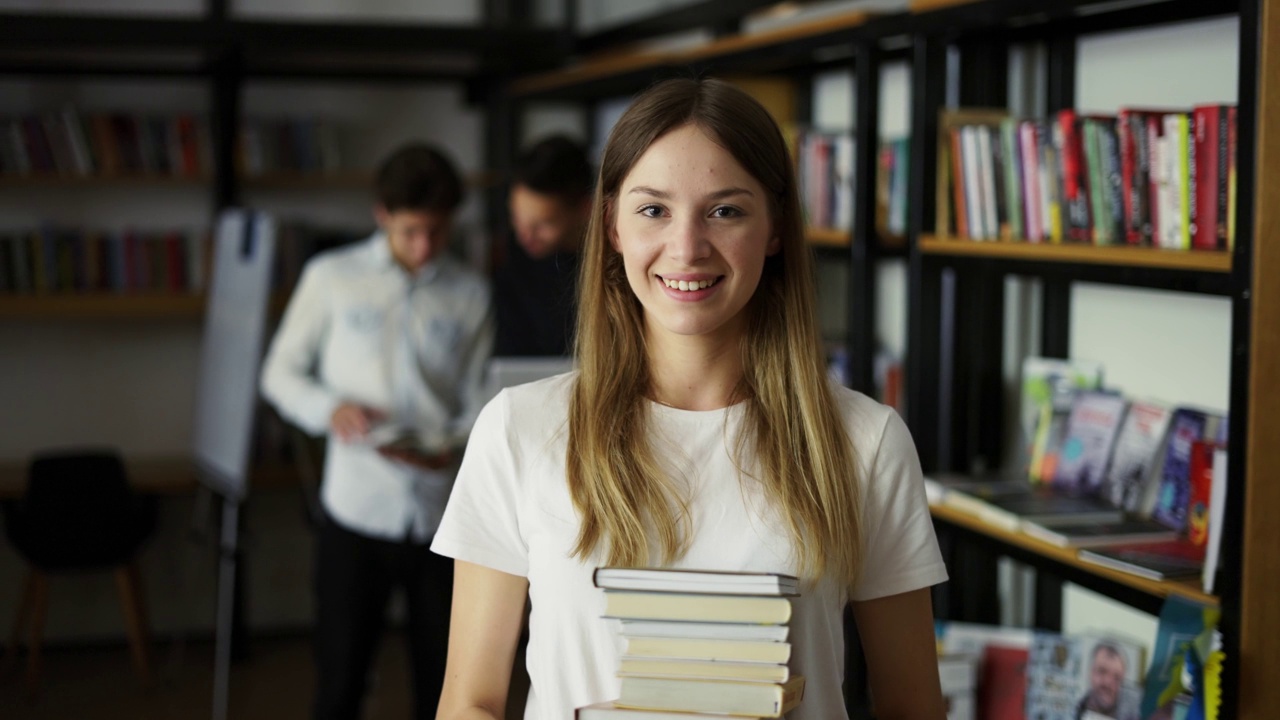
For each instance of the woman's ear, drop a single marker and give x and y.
(775, 244)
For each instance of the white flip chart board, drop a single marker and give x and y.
(235, 323)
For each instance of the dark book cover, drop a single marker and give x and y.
(1127, 530)
(1152, 560)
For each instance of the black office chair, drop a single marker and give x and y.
(79, 514)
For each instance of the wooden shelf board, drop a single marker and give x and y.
(919, 6)
(343, 180)
(752, 41)
(1187, 588)
(99, 181)
(1119, 255)
(596, 68)
(102, 306)
(622, 62)
(827, 237)
(158, 475)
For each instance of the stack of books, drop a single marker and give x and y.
(700, 644)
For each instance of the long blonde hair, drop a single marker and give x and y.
(804, 456)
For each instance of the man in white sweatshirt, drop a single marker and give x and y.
(383, 348)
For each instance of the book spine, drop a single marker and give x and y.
(1013, 180)
(957, 185)
(1221, 171)
(1128, 176)
(1206, 180)
(1231, 177)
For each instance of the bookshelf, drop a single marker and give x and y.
(955, 357)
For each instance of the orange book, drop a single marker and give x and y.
(957, 185)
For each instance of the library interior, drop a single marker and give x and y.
(324, 328)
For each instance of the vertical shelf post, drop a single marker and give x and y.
(864, 245)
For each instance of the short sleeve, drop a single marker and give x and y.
(900, 550)
(481, 523)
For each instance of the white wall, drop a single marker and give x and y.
(462, 12)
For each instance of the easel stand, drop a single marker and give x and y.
(227, 556)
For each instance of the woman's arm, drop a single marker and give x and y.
(902, 656)
(484, 629)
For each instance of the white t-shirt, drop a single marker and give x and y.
(511, 511)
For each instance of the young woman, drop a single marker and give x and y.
(699, 431)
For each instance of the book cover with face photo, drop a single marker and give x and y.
(1072, 678)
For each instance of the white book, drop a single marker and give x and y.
(972, 185)
(713, 582)
(709, 631)
(990, 218)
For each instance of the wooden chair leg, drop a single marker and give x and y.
(133, 603)
(20, 619)
(39, 612)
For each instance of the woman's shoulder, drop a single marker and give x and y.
(532, 408)
(865, 419)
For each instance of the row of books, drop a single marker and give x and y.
(293, 145)
(824, 166)
(55, 259)
(700, 644)
(76, 144)
(1048, 676)
(1025, 673)
(1135, 485)
(1158, 178)
(892, 188)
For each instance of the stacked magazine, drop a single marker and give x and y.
(700, 644)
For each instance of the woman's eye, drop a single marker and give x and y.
(652, 211)
(726, 211)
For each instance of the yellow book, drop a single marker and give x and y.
(701, 608)
(750, 699)
(703, 669)
(705, 649)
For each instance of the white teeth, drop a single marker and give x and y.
(688, 285)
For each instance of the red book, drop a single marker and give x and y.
(1206, 199)
(1002, 691)
(1201, 488)
(1074, 183)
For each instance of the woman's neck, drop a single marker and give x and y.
(694, 373)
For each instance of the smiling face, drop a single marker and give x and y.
(693, 228)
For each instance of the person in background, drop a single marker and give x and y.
(534, 289)
(699, 431)
(386, 333)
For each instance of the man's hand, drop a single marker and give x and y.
(352, 422)
(420, 460)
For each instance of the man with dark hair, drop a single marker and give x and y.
(1105, 697)
(534, 290)
(383, 348)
